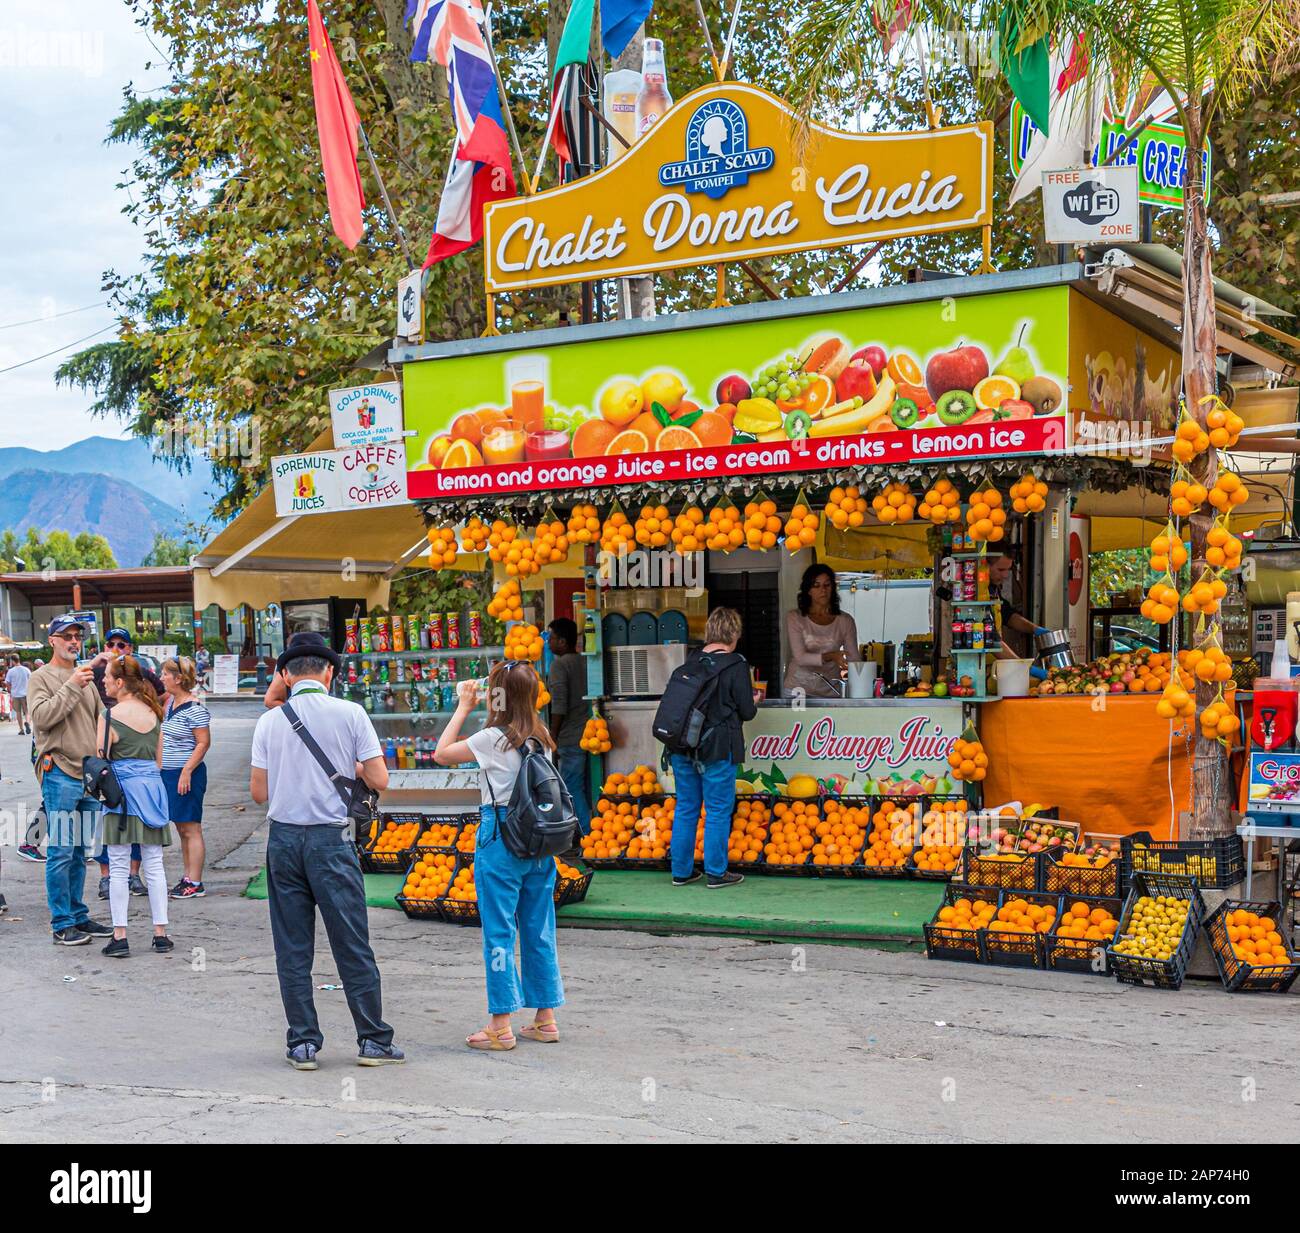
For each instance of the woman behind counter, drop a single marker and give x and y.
(822, 638)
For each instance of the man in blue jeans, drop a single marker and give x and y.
(65, 710)
(568, 688)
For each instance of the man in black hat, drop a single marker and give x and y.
(311, 859)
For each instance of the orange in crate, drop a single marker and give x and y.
(793, 835)
(749, 828)
(611, 829)
(840, 834)
(943, 835)
(466, 841)
(1082, 925)
(640, 781)
(439, 835)
(653, 831)
(893, 828)
(463, 887)
(967, 914)
(1021, 916)
(430, 876)
(396, 836)
(1255, 939)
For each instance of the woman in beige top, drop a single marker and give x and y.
(822, 638)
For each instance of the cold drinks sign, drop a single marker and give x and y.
(332, 480)
(716, 179)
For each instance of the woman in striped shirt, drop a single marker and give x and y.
(187, 737)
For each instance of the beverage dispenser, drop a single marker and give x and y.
(1276, 713)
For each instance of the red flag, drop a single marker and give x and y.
(337, 123)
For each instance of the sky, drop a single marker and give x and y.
(63, 64)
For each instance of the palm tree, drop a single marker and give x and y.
(1208, 54)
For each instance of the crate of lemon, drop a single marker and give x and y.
(1249, 950)
(1161, 918)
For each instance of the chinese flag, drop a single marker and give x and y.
(337, 123)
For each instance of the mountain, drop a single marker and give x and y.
(122, 513)
(192, 492)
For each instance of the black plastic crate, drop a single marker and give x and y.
(1081, 955)
(420, 909)
(394, 861)
(1081, 881)
(1238, 975)
(874, 805)
(1019, 950)
(977, 869)
(942, 941)
(1217, 863)
(572, 890)
(1162, 973)
(451, 819)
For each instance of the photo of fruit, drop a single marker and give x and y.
(840, 375)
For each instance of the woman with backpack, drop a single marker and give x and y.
(708, 776)
(516, 898)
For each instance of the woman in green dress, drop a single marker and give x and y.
(134, 730)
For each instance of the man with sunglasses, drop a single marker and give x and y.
(117, 641)
(65, 711)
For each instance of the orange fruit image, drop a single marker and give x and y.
(675, 437)
(712, 429)
(992, 392)
(592, 438)
(467, 427)
(438, 448)
(905, 371)
(462, 454)
(647, 424)
(629, 441)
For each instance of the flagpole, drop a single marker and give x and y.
(550, 127)
(731, 39)
(708, 39)
(383, 192)
(505, 103)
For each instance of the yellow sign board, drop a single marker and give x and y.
(716, 179)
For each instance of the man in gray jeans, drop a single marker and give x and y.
(311, 860)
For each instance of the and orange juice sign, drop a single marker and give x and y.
(719, 396)
(716, 179)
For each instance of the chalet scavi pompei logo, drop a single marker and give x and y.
(739, 192)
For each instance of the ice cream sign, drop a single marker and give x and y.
(717, 179)
(366, 414)
(333, 480)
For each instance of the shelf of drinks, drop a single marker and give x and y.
(424, 653)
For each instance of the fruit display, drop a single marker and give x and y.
(1186, 497)
(688, 532)
(968, 760)
(612, 828)
(1250, 949)
(840, 835)
(967, 914)
(1228, 492)
(653, 830)
(1204, 595)
(1028, 495)
(465, 840)
(1168, 552)
(1161, 603)
(474, 536)
(395, 837)
(442, 547)
(550, 543)
(1255, 939)
(892, 837)
(955, 930)
(985, 517)
(1134, 672)
(462, 888)
(1223, 549)
(943, 835)
(1020, 915)
(617, 535)
(894, 503)
(430, 876)
(508, 547)
(438, 835)
(1212, 862)
(524, 642)
(801, 529)
(762, 525)
(653, 525)
(749, 829)
(543, 694)
(1082, 925)
(1154, 927)
(846, 507)
(1190, 439)
(584, 524)
(507, 603)
(941, 503)
(640, 781)
(595, 736)
(792, 836)
(724, 530)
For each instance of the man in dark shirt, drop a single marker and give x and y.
(567, 682)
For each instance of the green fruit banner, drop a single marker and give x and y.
(960, 378)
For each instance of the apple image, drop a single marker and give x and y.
(962, 368)
(858, 380)
(873, 355)
(733, 389)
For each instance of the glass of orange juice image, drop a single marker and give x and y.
(504, 443)
(526, 377)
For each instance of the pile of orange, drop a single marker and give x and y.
(653, 526)
(689, 532)
(1190, 439)
(724, 530)
(1224, 426)
(595, 736)
(1028, 494)
(507, 603)
(617, 534)
(894, 503)
(611, 829)
(1223, 549)
(762, 525)
(639, 781)
(654, 831)
(985, 517)
(748, 832)
(1185, 497)
(463, 887)
(430, 876)
(1255, 939)
(1218, 722)
(893, 829)
(584, 524)
(1204, 595)
(801, 528)
(1082, 924)
(1228, 492)
(566, 871)
(543, 694)
(466, 841)
(550, 544)
(442, 546)
(1078, 860)
(474, 537)
(523, 641)
(439, 835)
(941, 504)
(396, 836)
(841, 834)
(847, 507)
(792, 835)
(1168, 553)
(968, 760)
(1161, 603)
(943, 835)
(1021, 916)
(966, 914)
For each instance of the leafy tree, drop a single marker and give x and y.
(57, 550)
(167, 550)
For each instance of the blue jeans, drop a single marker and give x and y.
(70, 818)
(573, 770)
(712, 784)
(516, 899)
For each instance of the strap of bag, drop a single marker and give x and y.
(337, 779)
(108, 749)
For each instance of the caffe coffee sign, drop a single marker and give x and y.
(717, 179)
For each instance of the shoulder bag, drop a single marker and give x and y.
(99, 779)
(359, 799)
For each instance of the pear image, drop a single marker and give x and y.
(1016, 364)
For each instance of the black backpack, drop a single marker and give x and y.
(680, 722)
(540, 820)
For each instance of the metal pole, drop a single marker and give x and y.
(383, 192)
(550, 127)
(505, 103)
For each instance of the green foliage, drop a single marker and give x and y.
(169, 551)
(55, 551)
(1113, 571)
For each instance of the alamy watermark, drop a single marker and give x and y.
(241, 442)
(23, 48)
(653, 567)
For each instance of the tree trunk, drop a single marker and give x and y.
(1210, 780)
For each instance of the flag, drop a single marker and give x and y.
(336, 123)
(1075, 121)
(574, 48)
(1027, 72)
(480, 171)
(619, 21)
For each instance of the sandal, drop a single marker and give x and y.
(543, 1033)
(498, 1039)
